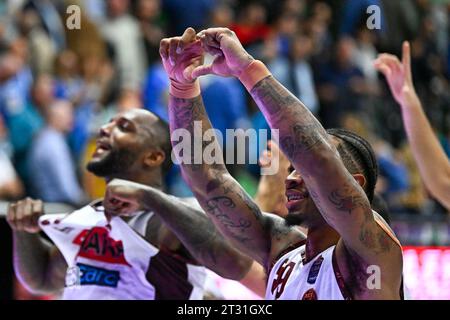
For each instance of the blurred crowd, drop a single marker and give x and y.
(59, 85)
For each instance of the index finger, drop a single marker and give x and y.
(188, 37)
(406, 60)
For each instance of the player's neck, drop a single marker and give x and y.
(319, 239)
(151, 179)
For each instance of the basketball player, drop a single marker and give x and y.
(431, 159)
(349, 251)
(98, 255)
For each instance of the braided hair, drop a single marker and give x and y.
(358, 157)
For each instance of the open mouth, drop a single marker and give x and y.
(294, 197)
(102, 146)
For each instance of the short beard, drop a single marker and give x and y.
(293, 219)
(115, 164)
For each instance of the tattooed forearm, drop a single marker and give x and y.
(299, 129)
(184, 114)
(186, 111)
(199, 235)
(229, 207)
(250, 204)
(274, 100)
(236, 229)
(347, 202)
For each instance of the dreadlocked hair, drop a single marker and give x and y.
(358, 157)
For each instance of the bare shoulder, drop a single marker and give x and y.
(282, 235)
(382, 268)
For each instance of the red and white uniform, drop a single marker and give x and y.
(318, 279)
(114, 261)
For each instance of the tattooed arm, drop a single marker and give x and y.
(338, 196)
(190, 225)
(223, 199)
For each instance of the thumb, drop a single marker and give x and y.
(202, 70)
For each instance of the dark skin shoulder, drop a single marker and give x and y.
(356, 271)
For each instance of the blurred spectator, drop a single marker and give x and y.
(68, 83)
(251, 26)
(21, 109)
(224, 100)
(401, 23)
(11, 187)
(50, 20)
(52, 170)
(95, 9)
(121, 30)
(318, 27)
(364, 54)
(295, 73)
(155, 92)
(153, 26)
(183, 14)
(393, 172)
(287, 25)
(38, 41)
(221, 16)
(339, 84)
(355, 14)
(88, 40)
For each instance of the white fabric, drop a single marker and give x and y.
(325, 285)
(8, 173)
(122, 254)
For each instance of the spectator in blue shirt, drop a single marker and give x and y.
(52, 170)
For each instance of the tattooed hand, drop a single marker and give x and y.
(181, 55)
(230, 57)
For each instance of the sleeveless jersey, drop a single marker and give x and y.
(318, 279)
(114, 261)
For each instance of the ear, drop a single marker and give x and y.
(154, 158)
(360, 179)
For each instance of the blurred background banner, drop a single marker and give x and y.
(427, 272)
(65, 73)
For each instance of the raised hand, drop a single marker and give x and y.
(24, 215)
(123, 198)
(270, 195)
(230, 57)
(398, 75)
(181, 55)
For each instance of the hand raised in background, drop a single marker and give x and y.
(398, 75)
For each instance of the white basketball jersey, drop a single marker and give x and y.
(317, 279)
(113, 260)
(290, 279)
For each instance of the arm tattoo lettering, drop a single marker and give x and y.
(237, 229)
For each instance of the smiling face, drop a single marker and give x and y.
(123, 145)
(302, 210)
